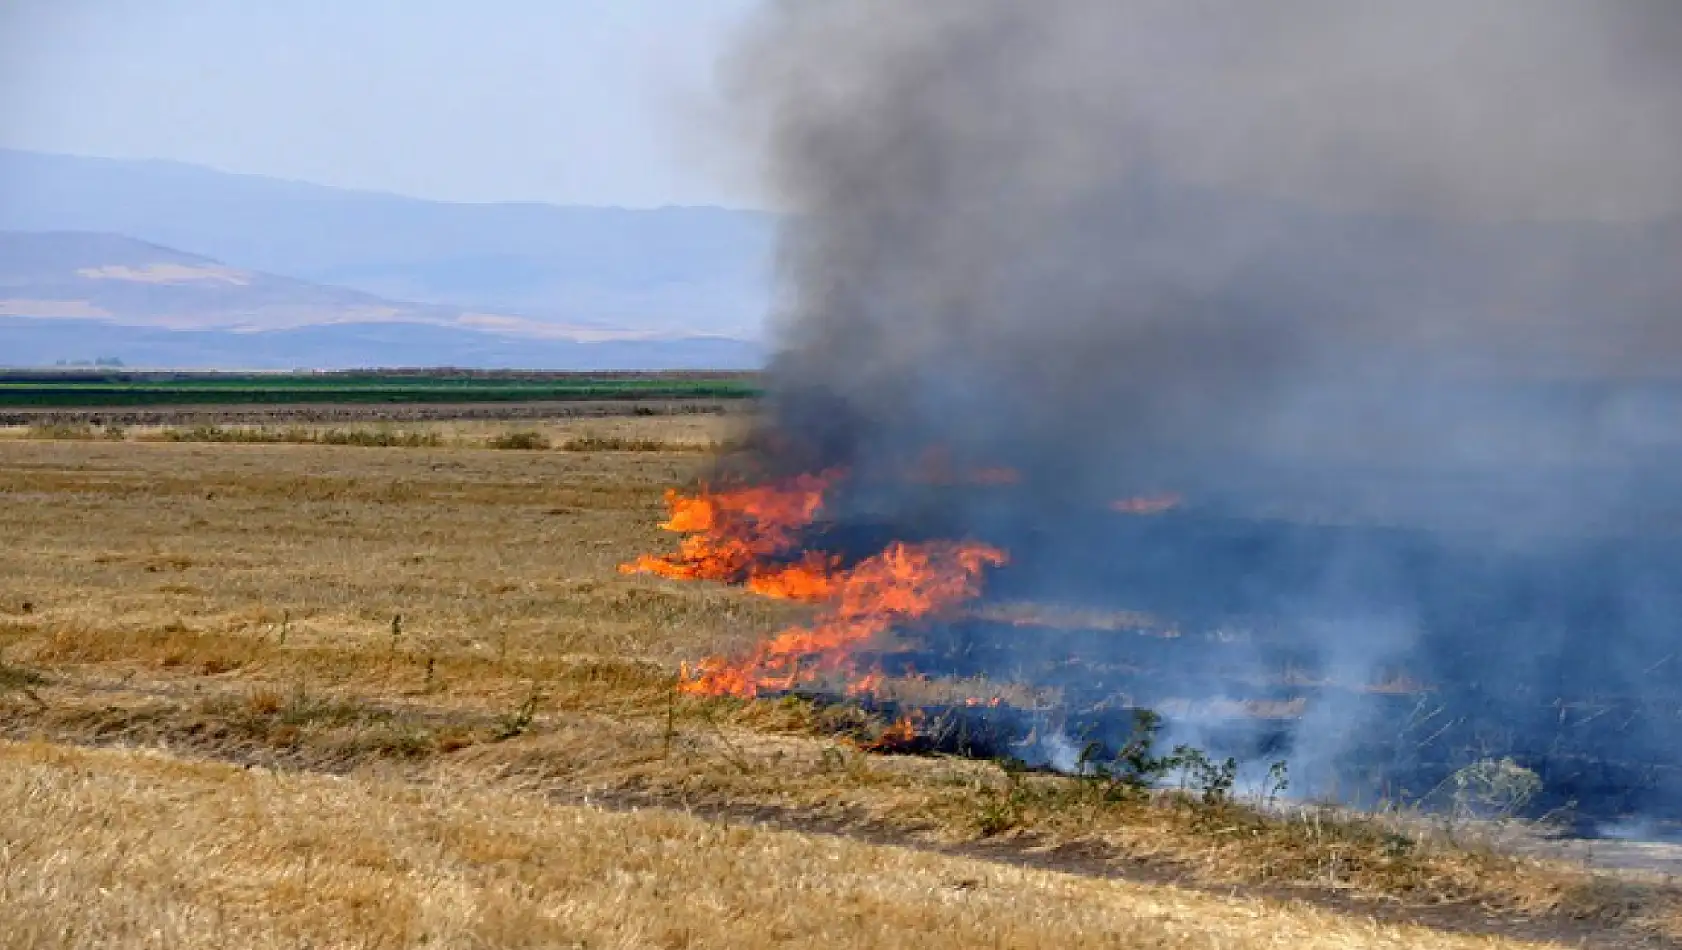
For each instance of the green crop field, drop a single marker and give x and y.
(48, 391)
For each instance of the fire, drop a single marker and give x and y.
(1146, 504)
(812, 579)
(904, 583)
(749, 535)
(903, 730)
(866, 685)
(734, 535)
(898, 737)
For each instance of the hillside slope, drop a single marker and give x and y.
(76, 296)
(685, 270)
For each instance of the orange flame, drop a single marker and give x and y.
(733, 532)
(746, 535)
(897, 737)
(905, 582)
(903, 730)
(812, 579)
(866, 685)
(1146, 504)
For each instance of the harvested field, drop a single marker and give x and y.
(444, 628)
(208, 855)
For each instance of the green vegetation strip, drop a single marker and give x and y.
(292, 389)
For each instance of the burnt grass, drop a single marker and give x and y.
(1554, 655)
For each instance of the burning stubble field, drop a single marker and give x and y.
(271, 688)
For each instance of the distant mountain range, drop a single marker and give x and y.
(200, 267)
(26, 342)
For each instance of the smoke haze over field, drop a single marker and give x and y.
(1193, 225)
(1198, 229)
(1399, 263)
(1510, 108)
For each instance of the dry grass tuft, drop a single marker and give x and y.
(381, 437)
(523, 440)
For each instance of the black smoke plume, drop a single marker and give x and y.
(1391, 293)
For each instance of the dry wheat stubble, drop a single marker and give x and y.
(110, 848)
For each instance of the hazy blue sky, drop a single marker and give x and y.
(568, 101)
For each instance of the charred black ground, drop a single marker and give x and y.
(1460, 649)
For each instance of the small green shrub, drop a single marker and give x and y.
(380, 438)
(1000, 810)
(520, 719)
(1136, 767)
(230, 434)
(519, 441)
(601, 443)
(63, 431)
(17, 679)
(1212, 780)
(369, 438)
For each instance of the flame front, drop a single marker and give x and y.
(812, 579)
(747, 536)
(898, 737)
(734, 535)
(904, 583)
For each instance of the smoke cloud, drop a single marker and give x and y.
(1389, 292)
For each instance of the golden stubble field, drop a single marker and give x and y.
(333, 695)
